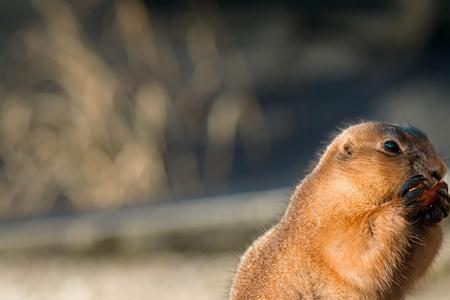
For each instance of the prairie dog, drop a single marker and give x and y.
(355, 227)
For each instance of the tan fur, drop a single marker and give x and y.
(345, 233)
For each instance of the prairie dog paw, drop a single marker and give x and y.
(428, 205)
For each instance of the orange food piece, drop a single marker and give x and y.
(430, 196)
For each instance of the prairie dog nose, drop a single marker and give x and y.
(432, 168)
(435, 174)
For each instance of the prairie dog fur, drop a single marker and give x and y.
(355, 227)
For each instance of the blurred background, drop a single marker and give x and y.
(145, 144)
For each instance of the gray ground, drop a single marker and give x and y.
(165, 276)
(157, 276)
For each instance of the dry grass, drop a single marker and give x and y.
(97, 122)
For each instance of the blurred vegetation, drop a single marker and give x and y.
(95, 121)
(115, 103)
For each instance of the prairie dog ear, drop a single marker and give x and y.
(346, 147)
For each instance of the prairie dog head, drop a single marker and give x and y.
(378, 157)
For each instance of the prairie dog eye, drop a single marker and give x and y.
(392, 147)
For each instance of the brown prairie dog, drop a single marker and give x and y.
(356, 227)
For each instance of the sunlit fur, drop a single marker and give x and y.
(346, 233)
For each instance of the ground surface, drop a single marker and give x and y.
(129, 278)
(156, 276)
